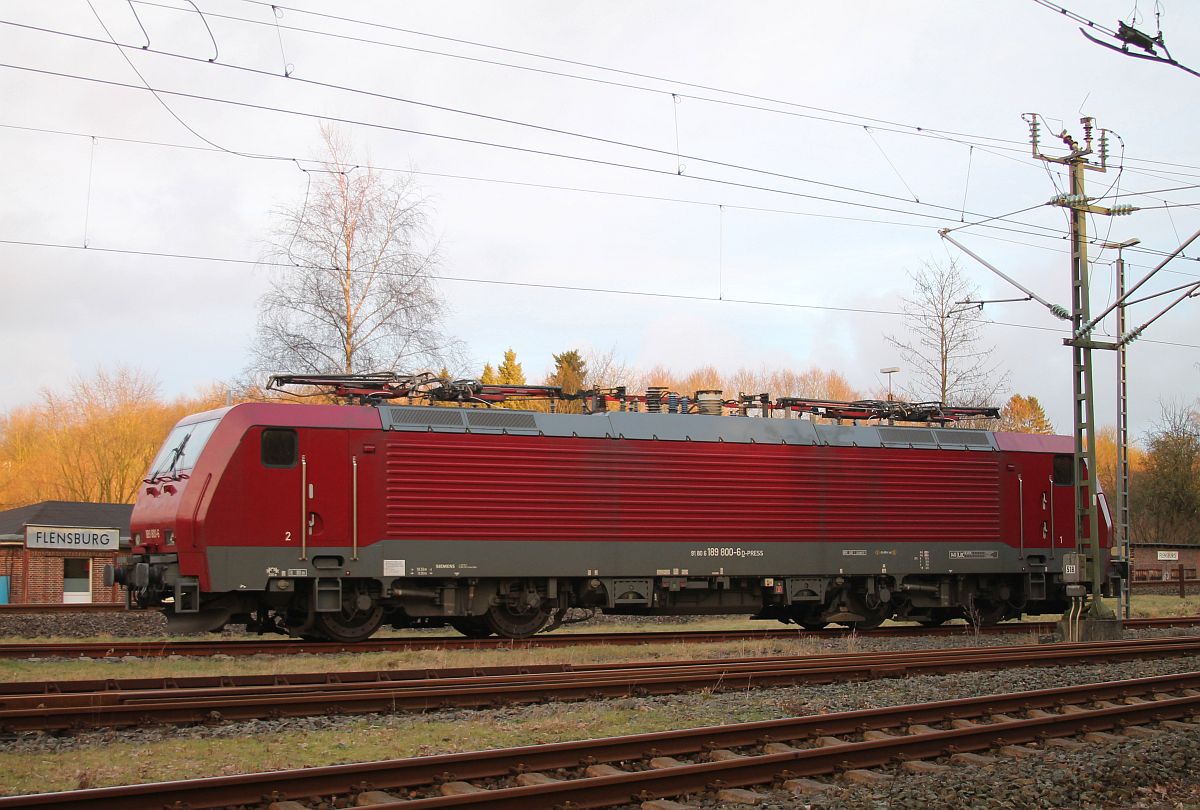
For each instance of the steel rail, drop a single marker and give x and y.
(341, 780)
(117, 708)
(152, 649)
(155, 649)
(63, 607)
(620, 788)
(878, 663)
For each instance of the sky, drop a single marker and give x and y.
(737, 185)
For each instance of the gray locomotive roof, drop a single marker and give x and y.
(678, 428)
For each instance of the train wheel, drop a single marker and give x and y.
(982, 612)
(937, 617)
(871, 619)
(350, 624)
(504, 622)
(472, 626)
(870, 624)
(817, 625)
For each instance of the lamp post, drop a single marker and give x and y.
(889, 371)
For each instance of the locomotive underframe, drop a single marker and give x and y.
(861, 584)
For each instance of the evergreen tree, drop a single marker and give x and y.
(1024, 415)
(570, 371)
(510, 372)
(570, 374)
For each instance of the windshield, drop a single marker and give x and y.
(181, 449)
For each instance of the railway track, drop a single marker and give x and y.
(67, 706)
(154, 649)
(782, 754)
(61, 607)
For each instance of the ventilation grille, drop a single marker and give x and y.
(508, 420)
(441, 417)
(965, 438)
(920, 437)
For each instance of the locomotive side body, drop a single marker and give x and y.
(329, 520)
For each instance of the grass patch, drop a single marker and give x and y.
(1151, 605)
(124, 763)
(82, 668)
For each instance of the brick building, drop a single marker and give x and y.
(55, 551)
(1159, 562)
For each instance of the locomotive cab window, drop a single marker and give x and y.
(279, 448)
(1064, 470)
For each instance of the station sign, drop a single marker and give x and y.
(1168, 556)
(72, 538)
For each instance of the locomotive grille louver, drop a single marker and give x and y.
(440, 417)
(967, 438)
(904, 437)
(511, 420)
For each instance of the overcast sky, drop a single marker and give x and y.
(909, 114)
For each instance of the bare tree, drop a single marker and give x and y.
(604, 370)
(360, 292)
(943, 353)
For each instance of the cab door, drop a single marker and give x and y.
(325, 492)
(301, 497)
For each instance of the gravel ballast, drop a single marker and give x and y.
(1132, 773)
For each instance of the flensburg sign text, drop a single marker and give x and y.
(72, 538)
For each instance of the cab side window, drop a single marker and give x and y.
(1064, 470)
(279, 447)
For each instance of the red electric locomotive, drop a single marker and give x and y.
(327, 521)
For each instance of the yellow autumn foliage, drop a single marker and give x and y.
(93, 441)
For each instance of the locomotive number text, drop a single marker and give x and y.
(726, 551)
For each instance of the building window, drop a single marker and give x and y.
(278, 448)
(77, 579)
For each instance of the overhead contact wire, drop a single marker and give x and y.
(563, 287)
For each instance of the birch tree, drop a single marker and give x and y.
(944, 356)
(357, 291)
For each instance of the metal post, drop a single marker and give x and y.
(1122, 475)
(1086, 519)
(1121, 482)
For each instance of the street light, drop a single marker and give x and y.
(890, 370)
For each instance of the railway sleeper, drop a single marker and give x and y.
(844, 746)
(852, 746)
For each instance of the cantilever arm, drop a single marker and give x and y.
(1058, 311)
